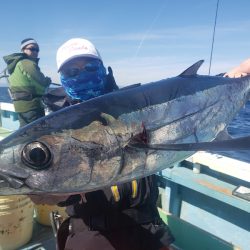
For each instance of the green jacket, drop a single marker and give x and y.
(26, 77)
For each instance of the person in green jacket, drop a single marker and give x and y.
(27, 84)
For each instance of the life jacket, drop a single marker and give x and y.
(125, 205)
(116, 193)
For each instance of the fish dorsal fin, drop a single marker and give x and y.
(192, 70)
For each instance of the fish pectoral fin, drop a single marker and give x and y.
(242, 143)
(118, 127)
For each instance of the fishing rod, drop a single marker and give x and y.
(4, 74)
(212, 48)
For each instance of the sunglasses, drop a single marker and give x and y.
(74, 71)
(33, 49)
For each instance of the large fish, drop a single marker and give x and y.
(97, 143)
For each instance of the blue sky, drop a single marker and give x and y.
(143, 41)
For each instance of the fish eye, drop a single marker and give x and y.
(36, 155)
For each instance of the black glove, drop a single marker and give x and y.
(111, 84)
(55, 98)
(73, 199)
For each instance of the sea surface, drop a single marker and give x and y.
(239, 127)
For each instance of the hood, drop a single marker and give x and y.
(13, 59)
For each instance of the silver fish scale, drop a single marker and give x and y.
(183, 123)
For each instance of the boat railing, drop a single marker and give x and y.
(8, 117)
(212, 192)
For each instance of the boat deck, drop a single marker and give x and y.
(42, 238)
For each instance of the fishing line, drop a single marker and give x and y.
(212, 48)
(150, 28)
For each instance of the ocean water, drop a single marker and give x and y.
(239, 127)
(4, 96)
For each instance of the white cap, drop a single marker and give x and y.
(73, 48)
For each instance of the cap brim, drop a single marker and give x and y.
(77, 56)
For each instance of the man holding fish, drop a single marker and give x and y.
(115, 138)
(123, 216)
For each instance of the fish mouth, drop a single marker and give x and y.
(34, 155)
(13, 185)
(13, 177)
(7, 189)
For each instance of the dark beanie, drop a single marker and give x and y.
(27, 41)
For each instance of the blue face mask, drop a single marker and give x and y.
(86, 84)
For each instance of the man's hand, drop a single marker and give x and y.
(242, 70)
(111, 84)
(235, 74)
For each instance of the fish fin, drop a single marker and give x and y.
(242, 143)
(223, 135)
(192, 70)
